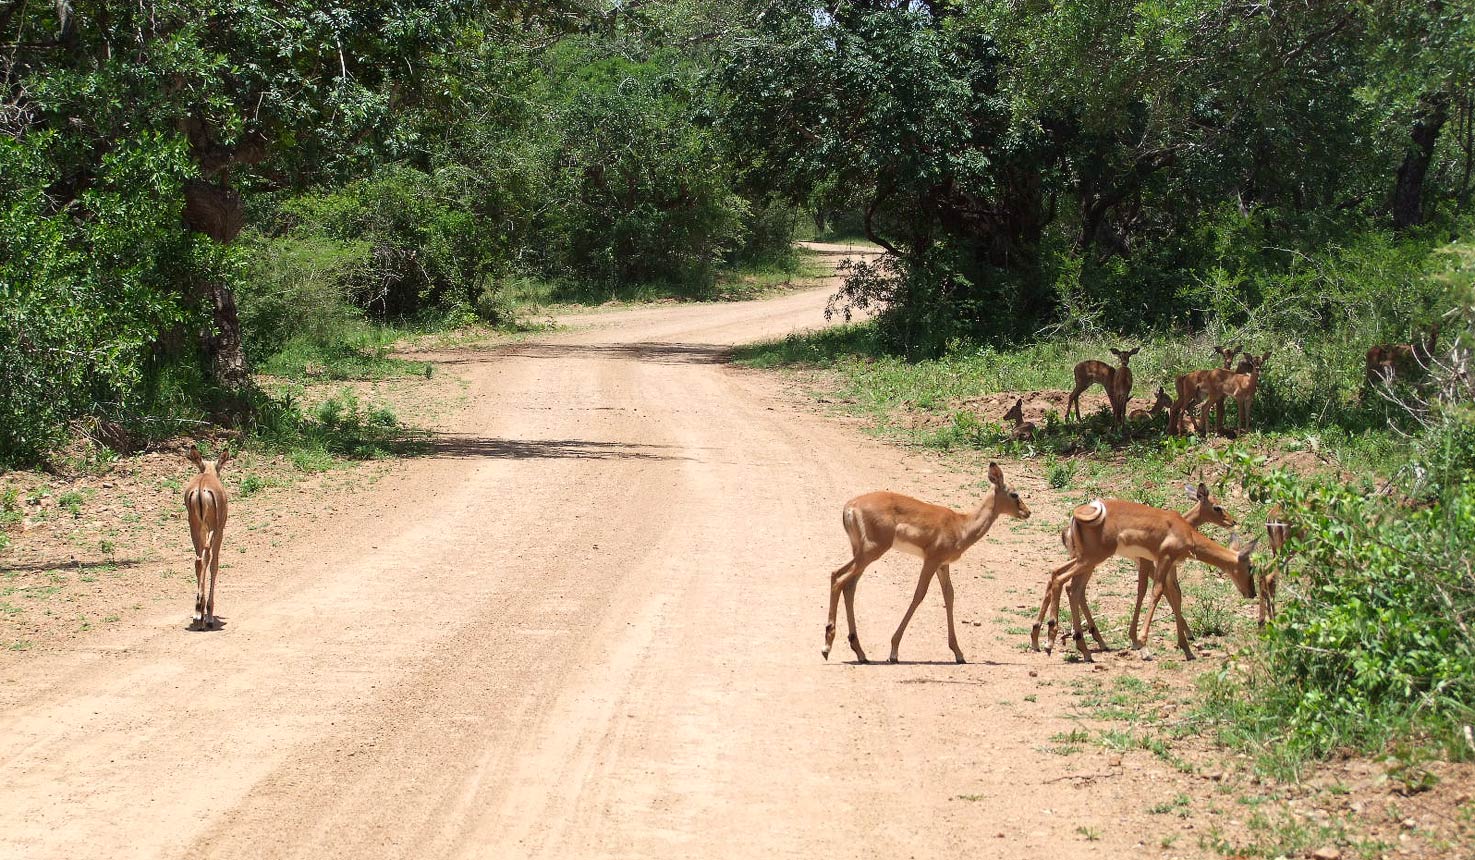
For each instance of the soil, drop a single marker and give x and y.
(587, 624)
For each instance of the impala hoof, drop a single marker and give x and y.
(825, 653)
(892, 659)
(959, 658)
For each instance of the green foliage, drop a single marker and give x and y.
(87, 294)
(1377, 598)
(341, 426)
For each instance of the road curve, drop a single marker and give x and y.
(587, 626)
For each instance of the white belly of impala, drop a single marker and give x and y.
(1138, 552)
(909, 548)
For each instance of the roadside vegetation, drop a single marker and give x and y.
(218, 219)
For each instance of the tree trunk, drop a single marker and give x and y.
(217, 211)
(1408, 193)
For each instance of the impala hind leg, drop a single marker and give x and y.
(197, 622)
(850, 618)
(837, 585)
(945, 579)
(214, 573)
(928, 571)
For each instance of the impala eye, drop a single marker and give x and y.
(1013, 495)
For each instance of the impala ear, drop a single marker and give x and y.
(193, 455)
(1190, 491)
(995, 475)
(1134, 351)
(1202, 492)
(222, 459)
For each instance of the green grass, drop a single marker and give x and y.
(1309, 411)
(362, 352)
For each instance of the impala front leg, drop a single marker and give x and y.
(928, 570)
(1144, 578)
(1175, 600)
(945, 579)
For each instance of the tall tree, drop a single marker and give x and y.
(282, 92)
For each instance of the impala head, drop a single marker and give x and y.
(1227, 353)
(1243, 573)
(1016, 412)
(1125, 355)
(213, 466)
(1006, 498)
(1253, 363)
(1210, 512)
(1161, 400)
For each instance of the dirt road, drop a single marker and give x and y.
(587, 626)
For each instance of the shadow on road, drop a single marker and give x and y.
(474, 447)
(656, 353)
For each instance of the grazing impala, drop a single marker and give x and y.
(1205, 511)
(1116, 527)
(205, 501)
(876, 522)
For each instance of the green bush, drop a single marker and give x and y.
(300, 287)
(93, 308)
(1373, 634)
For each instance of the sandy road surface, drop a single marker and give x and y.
(588, 626)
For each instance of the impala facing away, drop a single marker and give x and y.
(876, 522)
(1102, 529)
(204, 500)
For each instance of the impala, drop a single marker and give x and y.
(1023, 430)
(1389, 361)
(1205, 511)
(1116, 380)
(1278, 531)
(876, 522)
(1242, 387)
(1116, 527)
(205, 502)
(1160, 401)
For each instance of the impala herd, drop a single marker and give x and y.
(1158, 540)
